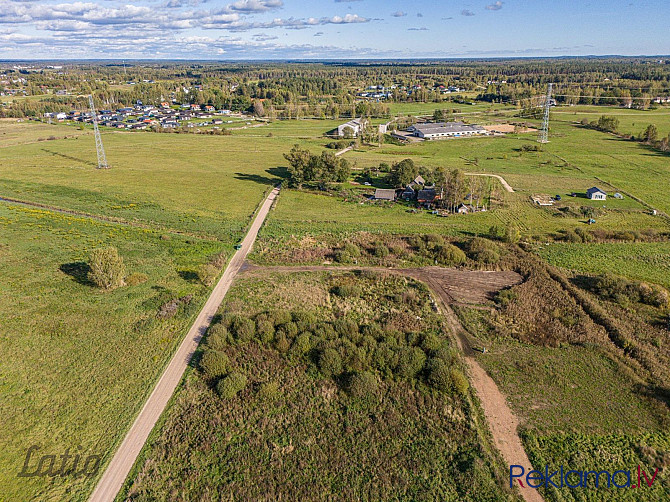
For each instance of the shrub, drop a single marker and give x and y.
(342, 256)
(106, 268)
(231, 385)
(265, 329)
(381, 251)
(459, 381)
(207, 274)
(302, 344)
(136, 278)
(352, 249)
(304, 320)
(282, 343)
(330, 362)
(654, 295)
(494, 232)
(347, 291)
(347, 328)
(505, 297)
(278, 317)
(269, 390)
(479, 244)
(572, 236)
(384, 357)
(410, 362)
(439, 375)
(362, 385)
(373, 330)
(487, 256)
(448, 254)
(431, 342)
(217, 336)
(512, 234)
(243, 328)
(214, 363)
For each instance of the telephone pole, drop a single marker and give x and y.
(102, 159)
(543, 137)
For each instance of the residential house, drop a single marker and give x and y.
(595, 193)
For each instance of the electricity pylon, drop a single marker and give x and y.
(102, 159)
(543, 137)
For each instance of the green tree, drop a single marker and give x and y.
(298, 159)
(106, 268)
(650, 134)
(403, 173)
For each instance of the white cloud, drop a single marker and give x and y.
(255, 5)
(399, 13)
(495, 5)
(466, 12)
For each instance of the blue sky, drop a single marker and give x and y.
(293, 29)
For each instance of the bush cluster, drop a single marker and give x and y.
(623, 291)
(435, 247)
(484, 250)
(355, 355)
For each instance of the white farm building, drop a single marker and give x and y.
(356, 125)
(433, 130)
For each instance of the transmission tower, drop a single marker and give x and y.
(102, 159)
(543, 137)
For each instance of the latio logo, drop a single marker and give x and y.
(579, 479)
(36, 465)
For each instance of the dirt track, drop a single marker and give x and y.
(471, 287)
(496, 176)
(112, 479)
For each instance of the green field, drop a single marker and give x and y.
(641, 260)
(78, 363)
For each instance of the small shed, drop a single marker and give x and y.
(595, 193)
(618, 196)
(385, 194)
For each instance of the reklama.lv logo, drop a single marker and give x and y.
(578, 479)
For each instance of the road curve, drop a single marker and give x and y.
(499, 178)
(115, 475)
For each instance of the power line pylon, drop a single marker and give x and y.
(102, 158)
(543, 137)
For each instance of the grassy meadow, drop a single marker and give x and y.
(77, 363)
(300, 426)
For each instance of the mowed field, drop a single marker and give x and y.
(77, 363)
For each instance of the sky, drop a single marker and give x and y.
(329, 29)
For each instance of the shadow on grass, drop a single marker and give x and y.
(69, 157)
(188, 275)
(78, 271)
(277, 173)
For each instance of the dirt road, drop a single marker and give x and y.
(467, 287)
(112, 479)
(499, 178)
(502, 421)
